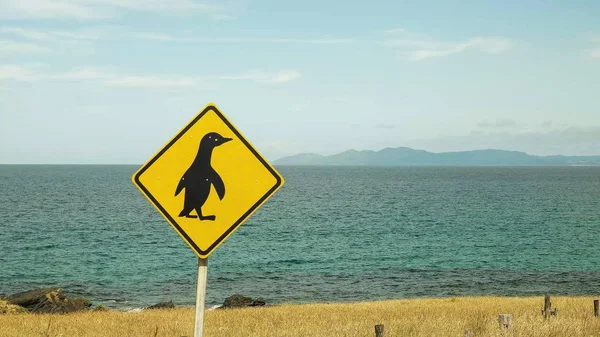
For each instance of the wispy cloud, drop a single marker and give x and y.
(158, 5)
(154, 36)
(50, 9)
(114, 79)
(19, 72)
(239, 40)
(251, 75)
(408, 44)
(151, 82)
(49, 35)
(274, 40)
(94, 9)
(118, 33)
(394, 31)
(594, 53)
(417, 48)
(265, 77)
(594, 50)
(224, 17)
(386, 126)
(498, 123)
(16, 40)
(17, 47)
(488, 45)
(285, 76)
(566, 140)
(83, 74)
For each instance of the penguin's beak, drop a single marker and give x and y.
(225, 140)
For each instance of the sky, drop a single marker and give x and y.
(111, 81)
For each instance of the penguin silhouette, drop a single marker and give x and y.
(198, 178)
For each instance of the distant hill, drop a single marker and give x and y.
(404, 156)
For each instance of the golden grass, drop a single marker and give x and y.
(7, 308)
(414, 317)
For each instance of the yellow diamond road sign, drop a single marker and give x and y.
(207, 180)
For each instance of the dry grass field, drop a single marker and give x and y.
(413, 317)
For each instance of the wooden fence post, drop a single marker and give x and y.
(505, 320)
(547, 306)
(379, 330)
(596, 309)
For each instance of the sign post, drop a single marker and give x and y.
(201, 296)
(206, 181)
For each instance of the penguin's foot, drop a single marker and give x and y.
(186, 213)
(208, 217)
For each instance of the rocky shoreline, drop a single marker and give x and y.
(45, 301)
(56, 301)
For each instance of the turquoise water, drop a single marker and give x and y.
(330, 234)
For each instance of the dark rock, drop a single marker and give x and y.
(81, 302)
(100, 307)
(32, 297)
(237, 301)
(162, 305)
(61, 305)
(259, 302)
(49, 300)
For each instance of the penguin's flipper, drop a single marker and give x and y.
(180, 186)
(219, 185)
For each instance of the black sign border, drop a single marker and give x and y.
(243, 217)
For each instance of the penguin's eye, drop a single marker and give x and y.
(216, 139)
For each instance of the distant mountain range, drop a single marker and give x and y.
(404, 156)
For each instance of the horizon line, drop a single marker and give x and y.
(440, 152)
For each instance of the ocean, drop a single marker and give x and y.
(331, 234)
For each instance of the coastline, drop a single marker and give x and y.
(412, 317)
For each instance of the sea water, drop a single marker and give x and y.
(331, 234)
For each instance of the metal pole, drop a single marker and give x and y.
(201, 296)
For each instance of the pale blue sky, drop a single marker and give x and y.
(110, 81)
